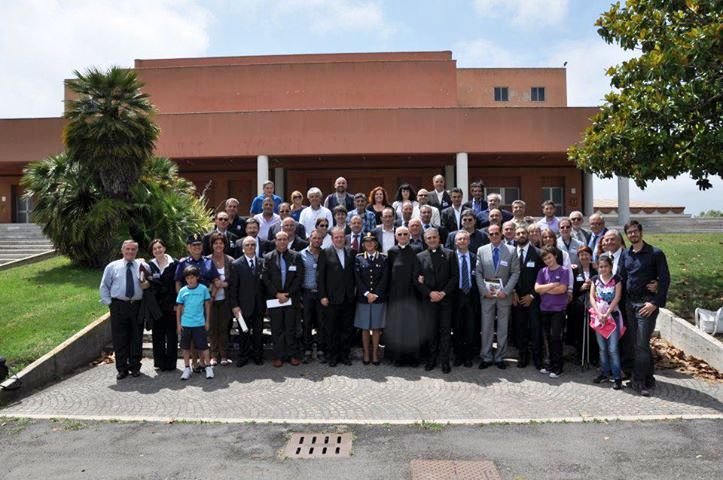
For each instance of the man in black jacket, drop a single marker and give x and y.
(222, 227)
(246, 297)
(466, 301)
(436, 276)
(526, 303)
(336, 290)
(282, 275)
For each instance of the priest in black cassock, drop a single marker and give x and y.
(402, 335)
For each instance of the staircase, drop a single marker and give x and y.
(22, 240)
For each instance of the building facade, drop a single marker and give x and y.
(375, 118)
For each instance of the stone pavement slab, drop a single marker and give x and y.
(316, 393)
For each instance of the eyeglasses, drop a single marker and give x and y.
(564, 227)
(494, 234)
(402, 234)
(296, 197)
(576, 219)
(223, 219)
(324, 225)
(467, 219)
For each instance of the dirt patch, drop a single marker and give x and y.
(668, 357)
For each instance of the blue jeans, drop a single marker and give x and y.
(609, 353)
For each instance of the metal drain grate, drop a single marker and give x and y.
(453, 470)
(319, 445)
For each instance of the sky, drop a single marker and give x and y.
(43, 41)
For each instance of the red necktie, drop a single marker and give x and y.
(355, 243)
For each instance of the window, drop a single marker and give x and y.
(538, 94)
(508, 194)
(557, 195)
(501, 94)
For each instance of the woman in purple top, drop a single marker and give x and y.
(551, 285)
(605, 292)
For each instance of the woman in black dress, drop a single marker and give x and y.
(165, 337)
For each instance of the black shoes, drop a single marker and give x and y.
(121, 375)
(135, 373)
(241, 363)
(468, 363)
(618, 385)
(446, 368)
(501, 365)
(429, 367)
(523, 362)
(600, 378)
(484, 365)
(332, 363)
(457, 362)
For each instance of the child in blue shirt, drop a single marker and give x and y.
(192, 315)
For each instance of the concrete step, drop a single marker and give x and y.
(19, 255)
(26, 247)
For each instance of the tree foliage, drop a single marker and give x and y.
(666, 116)
(107, 186)
(110, 132)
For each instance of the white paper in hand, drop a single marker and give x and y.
(242, 323)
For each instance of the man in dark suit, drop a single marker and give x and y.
(336, 290)
(252, 230)
(282, 275)
(416, 234)
(477, 204)
(354, 239)
(221, 221)
(493, 203)
(438, 197)
(246, 297)
(385, 231)
(296, 243)
(284, 213)
(425, 215)
(236, 223)
(526, 303)
(477, 238)
(466, 302)
(452, 215)
(437, 275)
(340, 196)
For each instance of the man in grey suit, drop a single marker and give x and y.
(495, 262)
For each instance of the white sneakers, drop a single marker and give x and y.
(544, 371)
(209, 372)
(186, 373)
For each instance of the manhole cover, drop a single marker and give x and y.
(453, 470)
(319, 445)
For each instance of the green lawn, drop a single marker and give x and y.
(696, 270)
(42, 304)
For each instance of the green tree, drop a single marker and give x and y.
(666, 116)
(110, 131)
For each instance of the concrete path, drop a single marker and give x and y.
(365, 394)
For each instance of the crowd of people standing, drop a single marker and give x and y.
(433, 280)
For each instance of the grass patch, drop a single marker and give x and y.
(43, 304)
(432, 426)
(696, 270)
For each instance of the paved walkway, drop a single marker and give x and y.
(365, 394)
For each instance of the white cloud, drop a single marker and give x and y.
(42, 42)
(587, 61)
(524, 13)
(480, 52)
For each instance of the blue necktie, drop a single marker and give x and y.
(496, 257)
(465, 275)
(129, 281)
(283, 270)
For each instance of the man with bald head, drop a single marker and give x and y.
(597, 229)
(494, 201)
(439, 197)
(423, 197)
(340, 196)
(416, 234)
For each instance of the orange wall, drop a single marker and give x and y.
(475, 86)
(301, 86)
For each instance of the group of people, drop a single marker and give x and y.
(434, 280)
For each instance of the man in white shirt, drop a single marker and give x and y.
(267, 217)
(423, 199)
(385, 231)
(452, 216)
(439, 197)
(315, 210)
(549, 220)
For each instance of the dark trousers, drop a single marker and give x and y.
(251, 342)
(528, 333)
(552, 323)
(283, 332)
(126, 334)
(439, 324)
(642, 330)
(464, 314)
(165, 341)
(626, 346)
(313, 320)
(338, 325)
(220, 325)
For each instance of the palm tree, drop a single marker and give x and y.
(110, 132)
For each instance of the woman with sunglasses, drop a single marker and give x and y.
(297, 204)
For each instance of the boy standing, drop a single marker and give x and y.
(192, 316)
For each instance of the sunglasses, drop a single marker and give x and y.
(402, 234)
(494, 234)
(576, 219)
(324, 225)
(564, 227)
(223, 219)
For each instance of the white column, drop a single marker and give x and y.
(587, 191)
(279, 183)
(623, 200)
(262, 172)
(462, 170)
(449, 176)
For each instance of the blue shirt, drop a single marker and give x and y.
(205, 265)
(113, 283)
(193, 301)
(258, 202)
(369, 220)
(310, 262)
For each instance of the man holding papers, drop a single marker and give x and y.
(282, 275)
(246, 299)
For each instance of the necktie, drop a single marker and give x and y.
(129, 281)
(355, 243)
(522, 258)
(496, 257)
(282, 263)
(465, 275)
(426, 226)
(252, 265)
